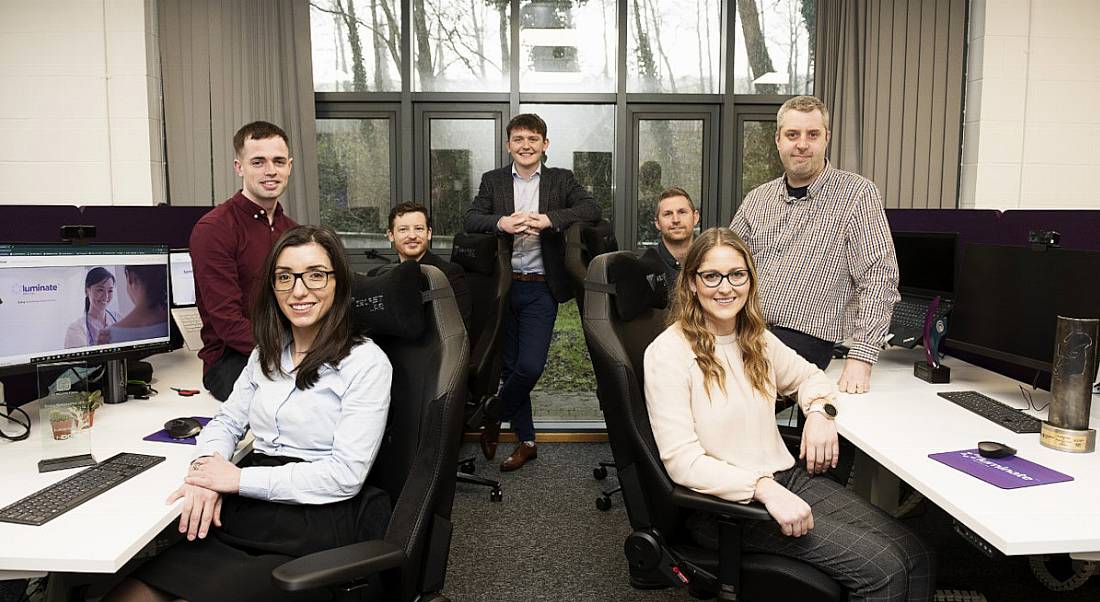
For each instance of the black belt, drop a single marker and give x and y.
(528, 277)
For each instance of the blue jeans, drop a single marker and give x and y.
(528, 327)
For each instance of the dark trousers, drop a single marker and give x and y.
(812, 349)
(870, 553)
(219, 379)
(528, 327)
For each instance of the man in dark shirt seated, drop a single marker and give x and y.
(410, 231)
(675, 219)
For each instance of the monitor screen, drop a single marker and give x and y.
(926, 263)
(1009, 299)
(183, 279)
(66, 302)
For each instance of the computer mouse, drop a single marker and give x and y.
(182, 428)
(992, 449)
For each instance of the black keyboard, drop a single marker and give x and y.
(907, 321)
(994, 411)
(50, 502)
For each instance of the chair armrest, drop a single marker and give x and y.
(686, 498)
(337, 566)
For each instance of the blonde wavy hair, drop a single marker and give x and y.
(687, 313)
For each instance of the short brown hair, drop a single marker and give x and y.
(527, 121)
(804, 104)
(403, 208)
(669, 193)
(257, 130)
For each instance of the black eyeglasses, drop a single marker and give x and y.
(714, 279)
(313, 279)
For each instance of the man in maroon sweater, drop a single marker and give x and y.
(228, 248)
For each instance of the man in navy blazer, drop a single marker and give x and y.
(531, 205)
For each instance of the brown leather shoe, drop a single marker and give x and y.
(520, 456)
(490, 435)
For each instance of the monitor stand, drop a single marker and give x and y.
(114, 381)
(65, 463)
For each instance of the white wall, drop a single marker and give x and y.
(1030, 122)
(80, 116)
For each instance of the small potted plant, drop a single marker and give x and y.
(62, 424)
(86, 406)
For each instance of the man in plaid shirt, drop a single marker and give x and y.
(823, 249)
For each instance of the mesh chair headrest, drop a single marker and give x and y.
(639, 284)
(390, 304)
(476, 253)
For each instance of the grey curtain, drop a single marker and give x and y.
(225, 63)
(892, 73)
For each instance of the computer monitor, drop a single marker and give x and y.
(183, 278)
(81, 302)
(1009, 299)
(926, 263)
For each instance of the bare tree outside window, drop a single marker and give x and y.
(774, 41)
(461, 45)
(356, 45)
(674, 46)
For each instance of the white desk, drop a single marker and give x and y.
(103, 533)
(902, 420)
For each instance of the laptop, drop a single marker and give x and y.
(926, 262)
(184, 311)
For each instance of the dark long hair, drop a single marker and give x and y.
(94, 277)
(271, 328)
(154, 279)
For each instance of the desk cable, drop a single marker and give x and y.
(23, 423)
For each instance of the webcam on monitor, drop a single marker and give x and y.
(77, 233)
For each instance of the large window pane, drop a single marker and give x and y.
(581, 139)
(774, 44)
(353, 162)
(670, 153)
(567, 45)
(759, 160)
(674, 46)
(460, 151)
(356, 45)
(460, 45)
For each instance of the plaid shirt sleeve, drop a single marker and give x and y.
(874, 272)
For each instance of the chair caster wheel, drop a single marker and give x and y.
(599, 473)
(603, 503)
(496, 495)
(467, 467)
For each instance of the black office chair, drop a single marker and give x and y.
(620, 321)
(584, 241)
(415, 464)
(489, 274)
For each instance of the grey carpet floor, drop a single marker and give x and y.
(547, 540)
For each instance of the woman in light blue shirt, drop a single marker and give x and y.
(316, 397)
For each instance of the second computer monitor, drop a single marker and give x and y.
(926, 263)
(183, 278)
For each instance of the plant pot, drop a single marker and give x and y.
(87, 419)
(62, 429)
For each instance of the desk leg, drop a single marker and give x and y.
(876, 484)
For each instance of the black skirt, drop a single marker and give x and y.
(234, 562)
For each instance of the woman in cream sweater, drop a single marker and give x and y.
(711, 381)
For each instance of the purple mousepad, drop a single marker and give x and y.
(162, 434)
(1007, 473)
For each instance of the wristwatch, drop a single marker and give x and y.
(828, 410)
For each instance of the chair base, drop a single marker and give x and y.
(495, 493)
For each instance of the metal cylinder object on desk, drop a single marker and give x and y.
(1074, 367)
(114, 382)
